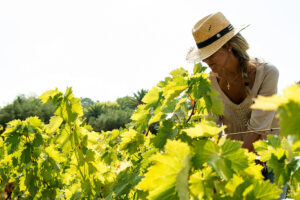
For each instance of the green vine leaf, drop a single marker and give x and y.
(131, 141)
(202, 182)
(162, 179)
(204, 129)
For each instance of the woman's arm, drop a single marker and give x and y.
(262, 119)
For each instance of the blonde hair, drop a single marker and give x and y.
(239, 48)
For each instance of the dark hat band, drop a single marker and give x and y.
(215, 37)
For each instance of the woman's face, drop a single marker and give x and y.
(218, 60)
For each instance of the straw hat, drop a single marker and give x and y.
(210, 34)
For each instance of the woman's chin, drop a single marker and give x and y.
(215, 74)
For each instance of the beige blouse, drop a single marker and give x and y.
(240, 117)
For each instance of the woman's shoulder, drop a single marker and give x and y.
(266, 79)
(265, 67)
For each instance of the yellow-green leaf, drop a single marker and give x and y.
(268, 103)
(204, 129)
(233, 184)
(156, 118)
(132, 140)
(48, 95)
(152, 96)
(167, 169)
(54, 154)
(54, 124)
(201, 183)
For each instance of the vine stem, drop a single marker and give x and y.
(193, 110)
(82, 175)
(76, 155)
(177, 117)
(148, 129)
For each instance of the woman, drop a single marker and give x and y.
(235, 76)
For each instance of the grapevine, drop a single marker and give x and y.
(185, 158)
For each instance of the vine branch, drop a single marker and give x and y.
(148, 129)
(193, 110)
(177, 117)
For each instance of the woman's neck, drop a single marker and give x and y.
(232, 67)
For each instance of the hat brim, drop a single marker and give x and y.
(196, 55)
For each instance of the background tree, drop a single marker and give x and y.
(126, 102)
(86, 102)
(113, 119)
(138, 96)
(23, 107)
(100, 115)
(108, 115)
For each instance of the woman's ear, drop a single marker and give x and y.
(228, 47)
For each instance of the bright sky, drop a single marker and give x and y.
(107, 49)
